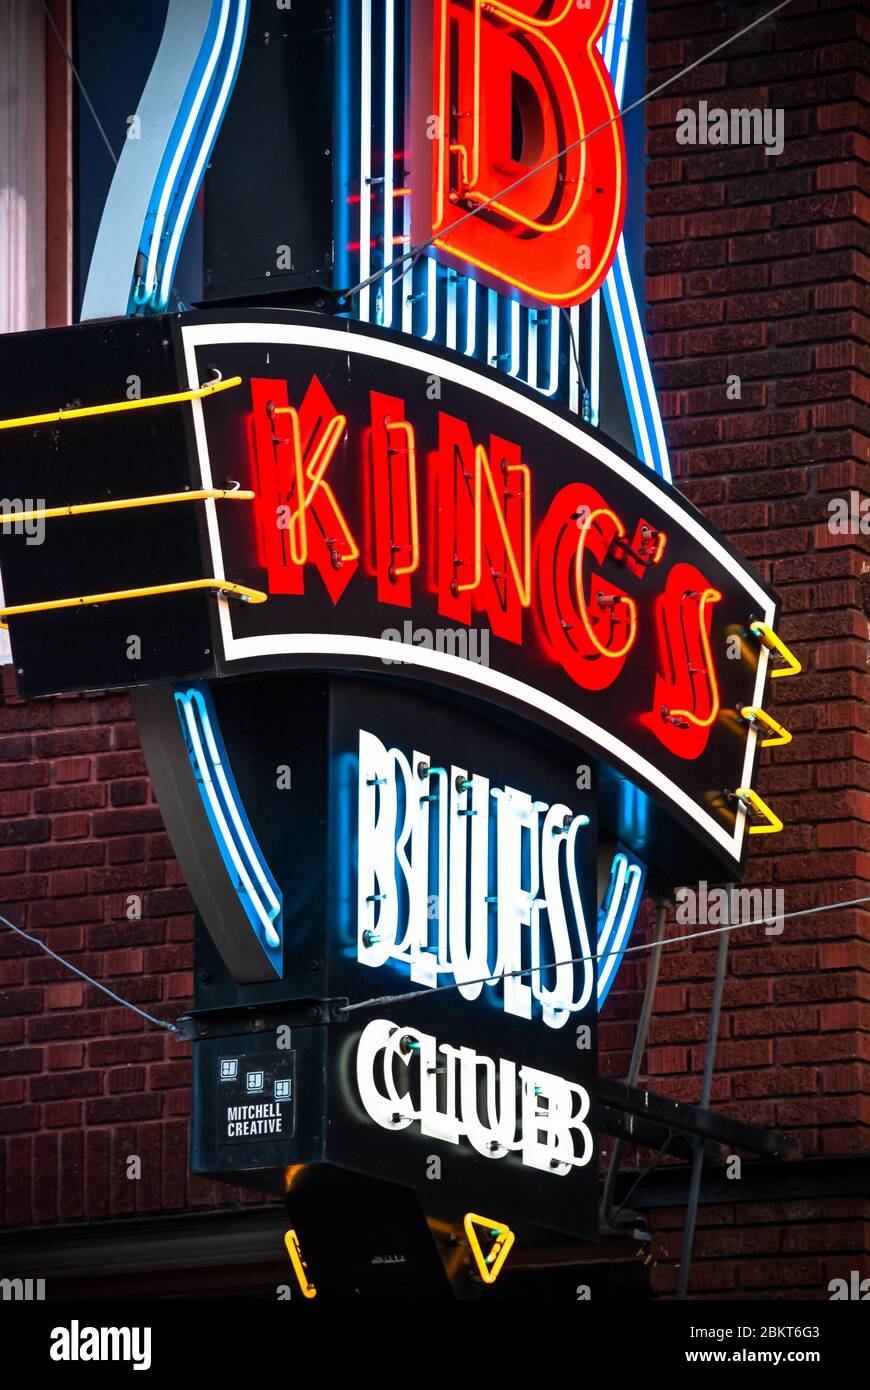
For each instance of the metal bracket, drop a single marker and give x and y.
(258, 1019)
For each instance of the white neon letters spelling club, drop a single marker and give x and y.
(432, 911)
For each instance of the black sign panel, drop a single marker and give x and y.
(414, 515)
(256, 1098)
(479, 1096)
(429, 852)
(268, 219)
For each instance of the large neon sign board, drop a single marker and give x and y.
(394, 482)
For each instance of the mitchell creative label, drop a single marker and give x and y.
(256, 1097)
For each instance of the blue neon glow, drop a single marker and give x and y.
(389, 121)
(452, 287)
(176, 155)
(617, 916)
(595, 358)
(431, 298)
(470, 317)
(546, 321)
(619, 296)
(365, 159)
(181, 169)
(520, 342)
(257, 890)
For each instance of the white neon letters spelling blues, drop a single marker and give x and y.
(442, 887)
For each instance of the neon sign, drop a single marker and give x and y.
(396, 481)
(512, 91)
(498, 1107)
(392, 490)
(446, 860)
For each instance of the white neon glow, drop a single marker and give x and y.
(388, 183)
(491, 327)
(470, 316)
(397, 1075)
(605, 41)
(417, 837)
(195, 179)
(629, 376)
(365, 158)
(181, 150)
(431, 298)
(620, 299)
(451, 288)
(174, 246)
(315, 644)
(619, 870)
(622, 55)
(649, 390)
(513, 367)
(204, 765)
(574, 402)
(239, 825)
(612, 952)
(407, 269)
(535, 327)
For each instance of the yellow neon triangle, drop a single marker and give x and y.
(300, 1268)
(488, 1266)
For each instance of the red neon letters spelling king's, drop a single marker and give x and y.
(459, 523)
(515, 86)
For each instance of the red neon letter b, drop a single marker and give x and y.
(513, 85)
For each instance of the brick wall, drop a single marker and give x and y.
(757, 267)
(84, 1084)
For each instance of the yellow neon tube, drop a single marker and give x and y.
(300, 1268)
(489, 1266)
(769, 639)
(782, 736)
(114, 407)
(774, 824)
(157, 499)
(221, 586)
(708, 596)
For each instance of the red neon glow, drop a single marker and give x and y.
(396, 504)
(477, 500)
(589, 637)
(686, 695)
(610, 523)
(482, 470)
(707, 669)
(646, 548)
(299, 516)
(496, 66)
(485, 529)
